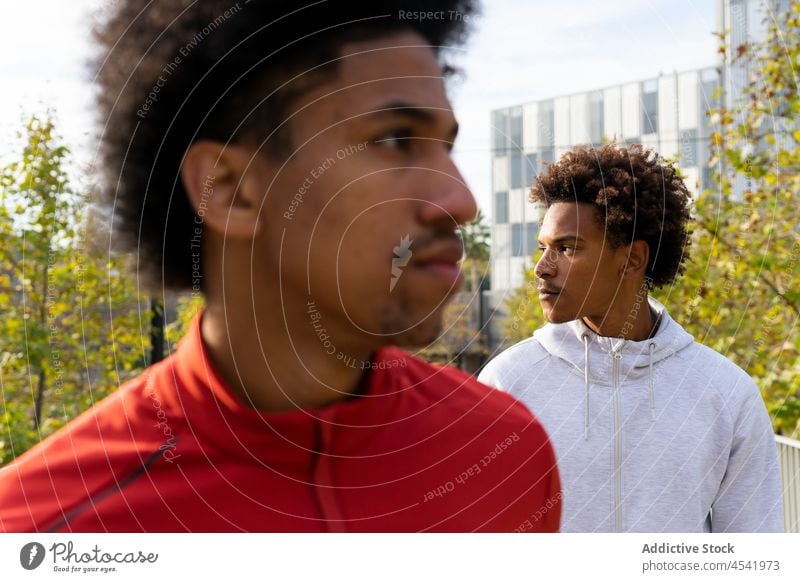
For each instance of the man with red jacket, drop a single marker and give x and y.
(292, 164)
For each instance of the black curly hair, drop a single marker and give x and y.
(171, 72)
(637, 194)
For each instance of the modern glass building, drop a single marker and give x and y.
(667, 113)
(746, 20)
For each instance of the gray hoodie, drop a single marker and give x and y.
(661, 435)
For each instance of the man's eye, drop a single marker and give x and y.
(398, 139)
(567, 250)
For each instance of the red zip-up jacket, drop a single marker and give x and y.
(424, 448)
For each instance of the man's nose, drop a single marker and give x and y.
(545, 267)
(448, 199)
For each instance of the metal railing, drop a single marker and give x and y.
(789, 454)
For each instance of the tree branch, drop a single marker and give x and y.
(769, 283)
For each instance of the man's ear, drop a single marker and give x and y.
(223, 187)
(638, 255)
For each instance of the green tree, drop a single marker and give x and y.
(187, 306)
(477, 236)
(70, 331)
(744, 290)
(35, 239)
(524, 313)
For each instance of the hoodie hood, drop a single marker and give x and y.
(569, 342)
(605, 361)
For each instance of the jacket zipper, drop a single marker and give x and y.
(617, 444)
(322, 480)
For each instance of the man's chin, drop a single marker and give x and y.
(555, 316)
(406, 324)
(419, 336)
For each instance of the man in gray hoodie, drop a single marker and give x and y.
(653, 432)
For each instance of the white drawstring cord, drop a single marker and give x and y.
(586, 385)
(652, 392)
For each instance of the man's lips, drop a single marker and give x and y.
(548, 292)
(441, 260)
(443, 253)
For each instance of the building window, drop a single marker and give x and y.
(516, 129)
(738, 24)
(596, 118)
(531, 169)
(500, 132)
(531, 236)
(688, 148)
(501, 207)
(546, 124)
(516, 170)
(707, 180)
(517, 243)
(523, 239)
(709, 83)
(650, 106)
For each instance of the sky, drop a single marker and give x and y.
(520, 51)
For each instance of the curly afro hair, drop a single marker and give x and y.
(171, 72)
(638, 196)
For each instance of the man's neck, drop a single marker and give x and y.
(636, 322)
(268, 369)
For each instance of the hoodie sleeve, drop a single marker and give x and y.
(491, 375)
(750, 497)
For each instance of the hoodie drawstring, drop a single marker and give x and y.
(585, 338)
(652, 392)
(586, 385)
